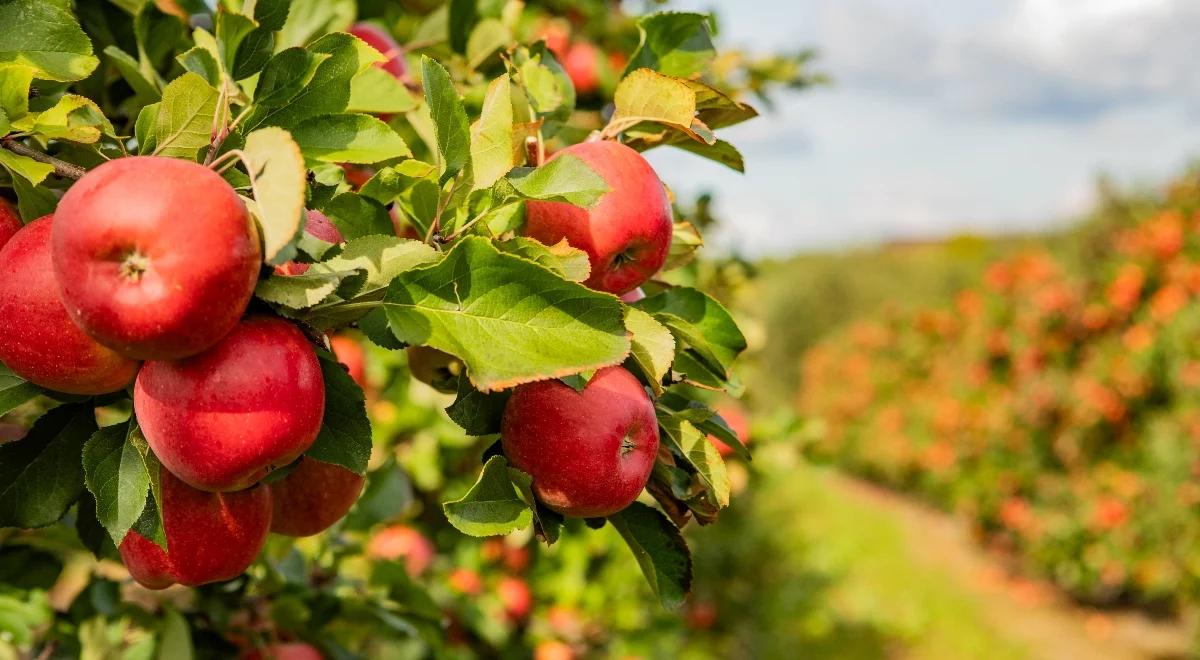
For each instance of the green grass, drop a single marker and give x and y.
(842, 577)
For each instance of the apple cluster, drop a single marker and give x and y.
(142, 278)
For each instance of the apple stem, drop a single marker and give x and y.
(61, 167)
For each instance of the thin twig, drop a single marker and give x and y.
(61, 167)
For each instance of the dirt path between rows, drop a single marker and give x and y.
(1030, 612)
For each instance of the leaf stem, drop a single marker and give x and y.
(61, 167)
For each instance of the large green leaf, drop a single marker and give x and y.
(185, 117)
(117, 476)
(356, 215)
(285, 74)
(349, 138)
(41, 475)
(345, 437)
(699, 322)
(14, 390)
(277, 178)
(649, 96)
(478, 413)
(693, 446)
(653, 348)
(492, 507)
(674, 43)
(492, 136)
(570, 263)
(46, 36)
(567, 178)
(375, 90)
(510, 320)
(15, 81)
(311, 18)
(660, 550)
(449, 118)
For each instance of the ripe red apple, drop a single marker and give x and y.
(10, 222)
(225, 418)
(401, 541)
(382, 41)
(581, 64)
(317, 225)
(465, 581)
(357, 175)
(515, 596)
(350, 353)
(557, 35)
(312, 497)
(285, 651)
(590, 453)
(627, 234)
(434, 368)
(553, 649)
(735, 417)
(211, 537)
(39, 341)
(157, 257)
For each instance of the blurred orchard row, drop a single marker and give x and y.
(1056, 402)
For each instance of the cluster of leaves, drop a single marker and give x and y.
(1054, 402)
(272, 95)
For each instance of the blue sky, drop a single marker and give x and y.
(950, 116)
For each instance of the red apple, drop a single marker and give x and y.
(553, 649)
(318, 225)
(382, 41)
(401, 541)
(285, 651)
(357, 175)
(590, 453)
(157, 257)
(434, 368)
(515, 596)
(312, 497)
(211, 537)
(735, 417)
(581, 63)
(557, 35)
(39, 341)
(350, 353)
(627, 234)
(225, 418)
(465, 581)
(10, 222)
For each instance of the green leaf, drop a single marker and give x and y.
(45, 36)
(719, 151)
(356, 215)
(693, 445)
(376, 91)
(674, 43)
(478, 413)
(175, 638)
(390, 182)
(660, 550)
(311, 18)
(270, 14)
(328, 92)
(285, 74)
(349, 138)
(653, 346)
(648, 96)
(564, 179)
(278, 179)
(546, 523)
(252, 53)
(144, 127)
(489, 36)
(14, 390)
(33, 201)
(548, 91)
(15, 80)
(298, 291)
(685, 241)
(492, 507)
(462, 18)
(492, 136)
(24, 167)
(129, 68)
(185, 117)
(116, 475)
(699, 322)
(377, 260)
(449, 118)
(41, 475)
(509, 320)
(201, 62)
(74, 118)
(568, 262)
(345, 437)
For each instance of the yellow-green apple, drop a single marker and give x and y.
(590, 453)
(225, 418)
(626, 234)
(157, 257)
(312, 497)
(39, 342)
(211, 537)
